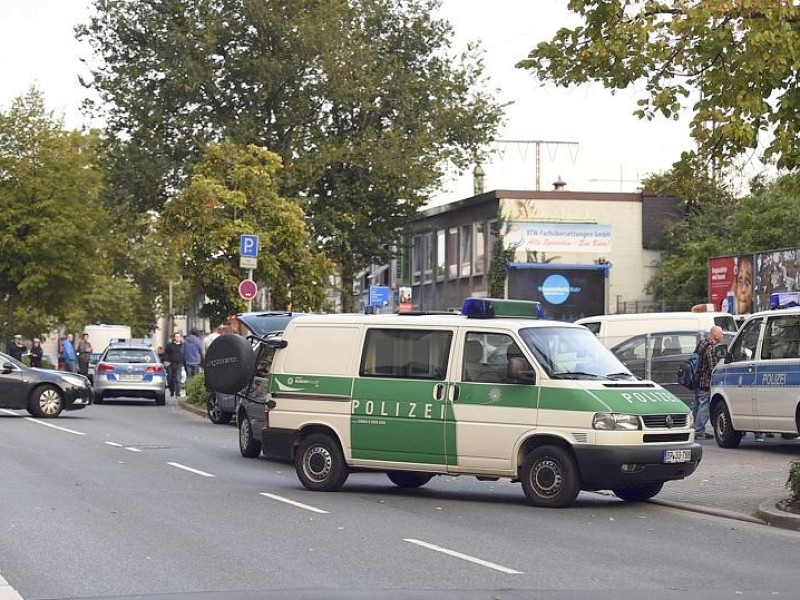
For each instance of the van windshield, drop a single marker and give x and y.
(572, 353)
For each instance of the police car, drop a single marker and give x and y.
(491, 393)
(756, 385)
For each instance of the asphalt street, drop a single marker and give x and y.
(132, 500)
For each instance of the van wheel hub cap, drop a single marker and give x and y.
(547, 478)
(318, 463)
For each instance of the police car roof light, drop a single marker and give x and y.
(784, 300)
(489, 308)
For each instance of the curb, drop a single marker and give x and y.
(192, 408)
(709, 510)
(775, 517)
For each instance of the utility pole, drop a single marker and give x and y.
(538, 145)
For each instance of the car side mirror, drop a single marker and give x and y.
(519, 371)
(7, 367)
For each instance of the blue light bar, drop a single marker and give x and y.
(490, 308)
(784, 300)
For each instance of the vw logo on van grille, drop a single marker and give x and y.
(668, 422)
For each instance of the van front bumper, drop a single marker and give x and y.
(605, 467)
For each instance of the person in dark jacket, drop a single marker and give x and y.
(36, 353)
(16, 348)
(173, 357)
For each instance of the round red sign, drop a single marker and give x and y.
(248, 289)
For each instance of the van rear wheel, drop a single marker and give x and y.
(409, 479)
(638, 492)
(320, 464)
(549, 477)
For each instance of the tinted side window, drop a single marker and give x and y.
(406, 354)
(781, 337)
(744, 348)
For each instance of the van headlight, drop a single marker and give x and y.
(615, 421)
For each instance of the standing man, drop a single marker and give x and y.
(68, 354)
(84, 355)
(173, 354)
(16, 348)
(192, 354)
(708, 360)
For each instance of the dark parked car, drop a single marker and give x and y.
(667, 350)
(42, 392)
(222, 407)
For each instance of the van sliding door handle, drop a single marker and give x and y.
(438, 391)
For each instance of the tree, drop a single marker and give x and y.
(362, 99)
(50, 217)
(729, 62)
(501, 256)
(234, 192)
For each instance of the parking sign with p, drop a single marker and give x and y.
(248, 245)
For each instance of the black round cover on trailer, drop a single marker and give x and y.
(230, 364)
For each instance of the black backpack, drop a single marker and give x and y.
(689, 370)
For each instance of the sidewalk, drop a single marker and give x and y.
(742, 483)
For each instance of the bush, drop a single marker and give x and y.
(793, 483)
(196, 392)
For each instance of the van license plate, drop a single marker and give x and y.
(677, 456)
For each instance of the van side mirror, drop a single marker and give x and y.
(519, 371)
(721, 352)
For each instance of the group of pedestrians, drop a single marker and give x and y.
(76, 357)
(17, 349)
(179, 355)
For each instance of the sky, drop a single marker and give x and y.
(610, 150)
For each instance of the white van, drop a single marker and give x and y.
(482, 394)
(612, 330)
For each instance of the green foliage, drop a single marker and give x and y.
(234, 192)
(717, 224)
(732, 64)
(50, 217)
(501, 256)
(362, 99)
(196, 392)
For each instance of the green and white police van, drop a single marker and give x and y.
(493, 392)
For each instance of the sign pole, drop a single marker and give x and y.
(250, 301)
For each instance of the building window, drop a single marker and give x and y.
(466, 250)
(441, 265)
(430, 256)
(479, 265)
(452, 253)
(416, 260)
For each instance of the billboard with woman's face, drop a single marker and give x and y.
(730, 283)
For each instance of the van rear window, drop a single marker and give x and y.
(406, 354)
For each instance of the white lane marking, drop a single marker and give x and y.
(116, 445)
(7, 592)
(472, 559)
(54, 426)
(190, 469)
(9, 412)
(293, 503)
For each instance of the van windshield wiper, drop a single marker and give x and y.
(620, 376)
(576, 375)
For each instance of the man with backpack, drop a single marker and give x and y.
(708, 360)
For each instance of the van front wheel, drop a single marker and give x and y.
(726, 436)
(320, 464)
(549, 477)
